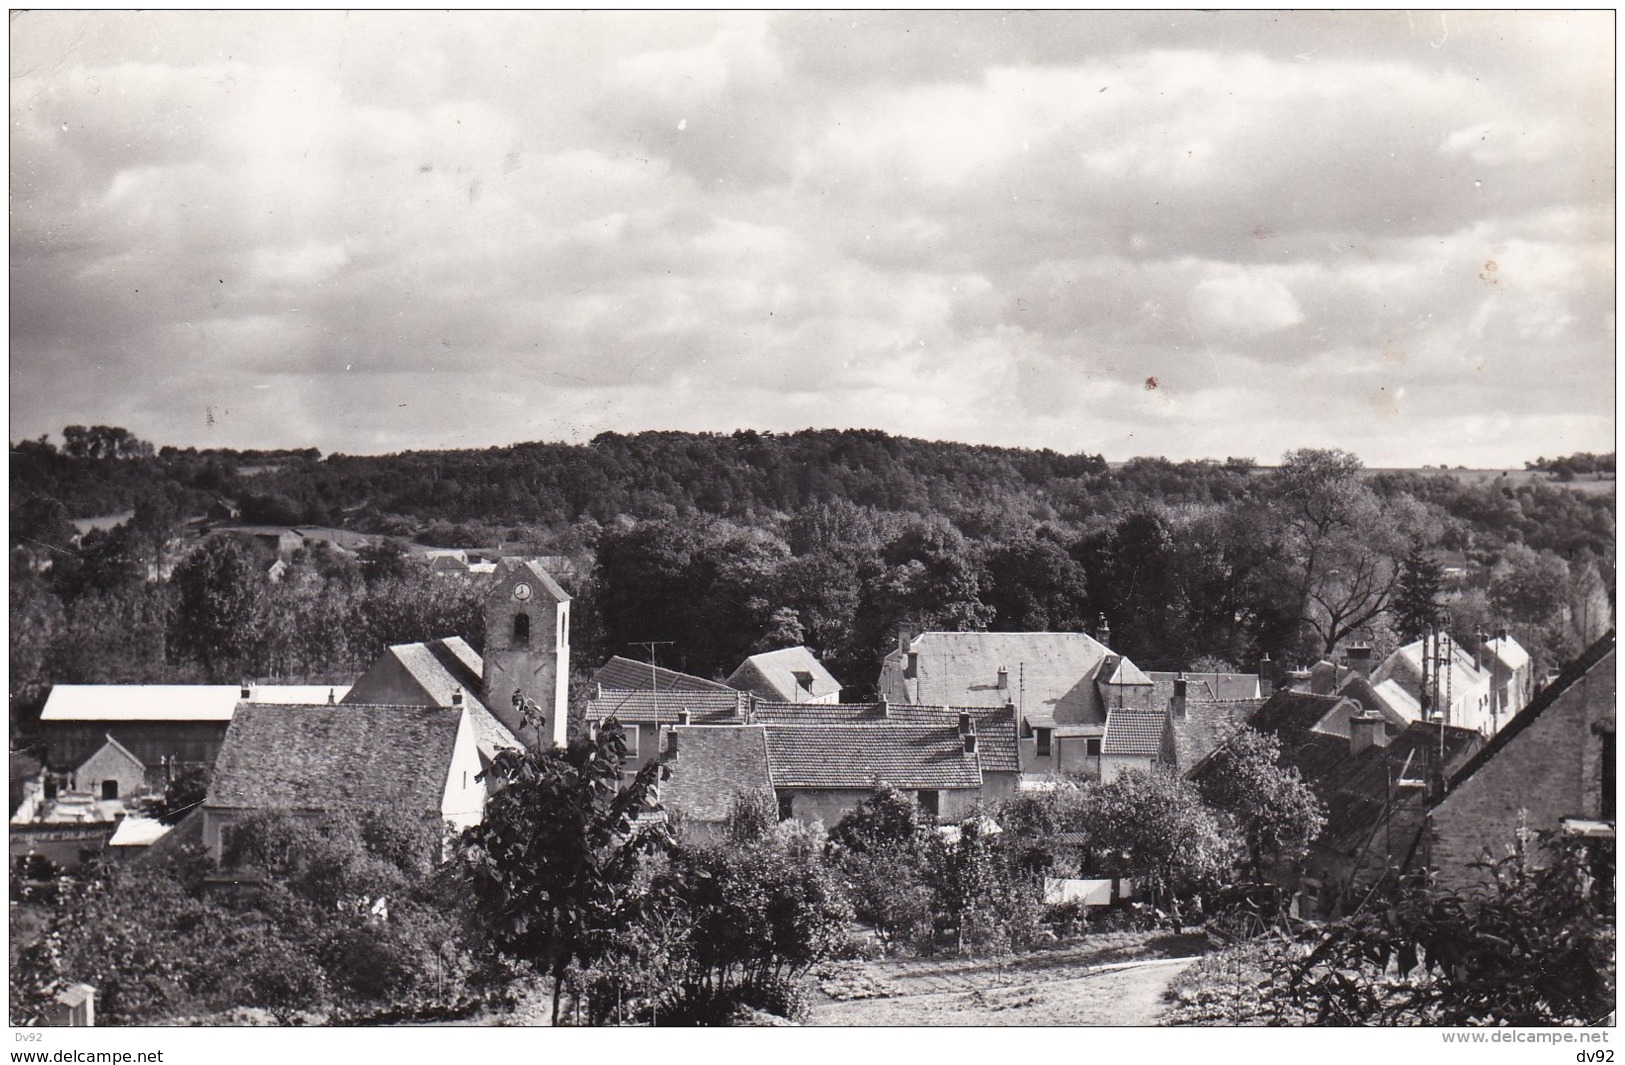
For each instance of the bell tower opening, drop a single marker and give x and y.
(521, 630)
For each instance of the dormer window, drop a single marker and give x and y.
(521, 630)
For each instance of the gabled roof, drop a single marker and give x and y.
(119, 749)
(857, 757)
(651, 708)
(1126, 674)
(1405, 666)
(1134, 732)
(1509, 653)
(1050, 675)
(792, 674)
(714, 763)
(533, 571)
(323, 757)
(439, 669)
(1597, 655)
(623, 674)
(995, 727)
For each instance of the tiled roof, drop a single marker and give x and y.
(712, 765)
(792, 674)
(651, 708)
(1206, 726)
(325, 757)
(860, 756)
(1050, 674)
(995, 726)
(623, 674)
(1134, 732)
(1209, 687)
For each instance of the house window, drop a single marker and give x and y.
(109, 789)
(1043, 735)
(786, 806)
(1091, 746)
(521, 630)
(931, 802)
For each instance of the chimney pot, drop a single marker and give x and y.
(1004, 679)
(456, 697)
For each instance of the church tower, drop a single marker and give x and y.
(527, 649)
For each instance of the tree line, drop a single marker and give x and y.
(727, 545)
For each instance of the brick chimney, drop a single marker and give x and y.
(964, 723)
(1266, 676)
(671, 743)
(1103, 631)
(1366, 730)
(911, 668)
(1004, 679)
(456, 697)
(905, 636)
(970, 743)
(1360, 659)
(1179, 697)
(245, 691)
(683, 717)
(884, 706)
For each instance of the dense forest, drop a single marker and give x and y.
(729, 544)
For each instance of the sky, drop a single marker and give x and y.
(1181, 234)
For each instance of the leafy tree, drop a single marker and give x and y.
(550, 869)
(1034, 586)
(218, 618)
(1271, 809)
(1153, 826)
(1341, 544)
(886, 816)
(1536, 947)
(384, 559)
(1417, 607)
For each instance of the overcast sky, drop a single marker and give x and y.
(1137, 234)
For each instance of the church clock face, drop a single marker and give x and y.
(521, 592)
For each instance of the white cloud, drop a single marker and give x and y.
(1244, 304)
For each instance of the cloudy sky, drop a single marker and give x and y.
(1178, 234)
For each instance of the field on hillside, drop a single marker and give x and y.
(1589, 484)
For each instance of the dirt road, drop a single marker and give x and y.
(1094, 983)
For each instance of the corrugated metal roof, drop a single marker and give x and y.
(141, 702)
